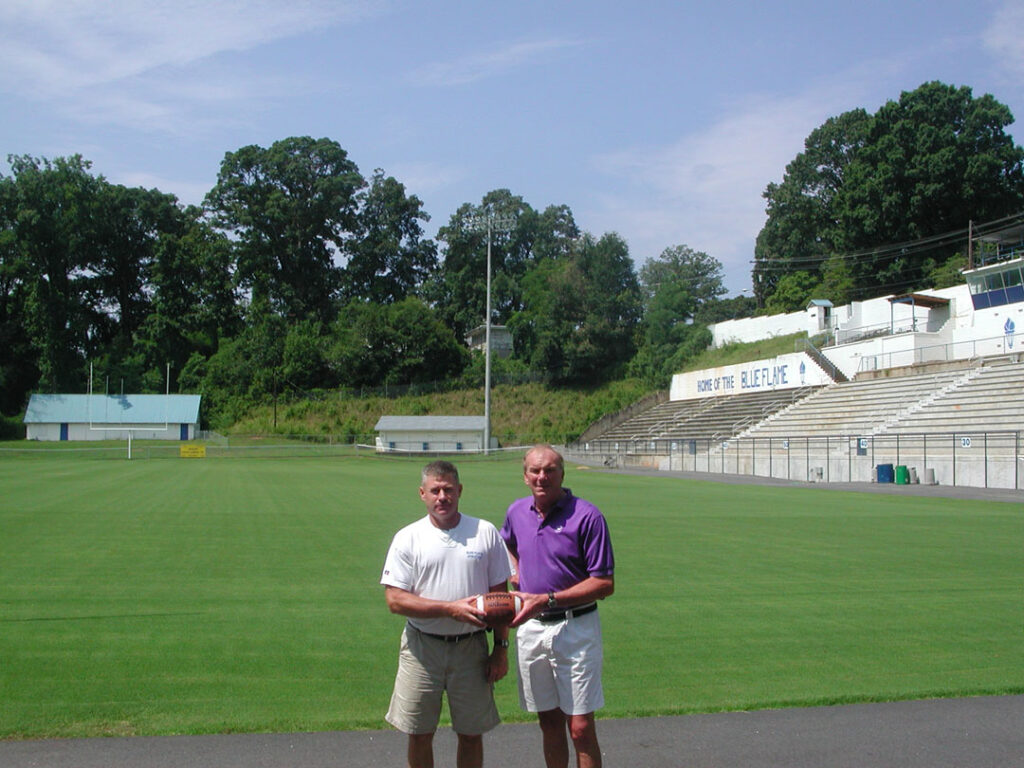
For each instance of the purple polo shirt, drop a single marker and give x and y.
(561, 550)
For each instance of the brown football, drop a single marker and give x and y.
(499, 608)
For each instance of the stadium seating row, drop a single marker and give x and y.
(978, 397)
(709, 418)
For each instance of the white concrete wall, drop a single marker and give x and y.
(82, 432)
(42, 432)
(754, 328)
(956, 332)
(855, 318)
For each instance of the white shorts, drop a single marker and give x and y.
(560, 665)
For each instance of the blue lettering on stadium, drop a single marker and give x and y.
(762, 378)
(717, 384)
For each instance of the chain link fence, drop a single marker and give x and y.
(977, 459)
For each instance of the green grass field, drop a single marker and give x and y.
(199, 596)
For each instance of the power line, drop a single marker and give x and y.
(907, 248)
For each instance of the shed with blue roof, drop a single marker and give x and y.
(112, 417)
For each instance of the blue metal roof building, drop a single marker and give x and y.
(112, 417)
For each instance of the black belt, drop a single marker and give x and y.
(568, 613)
(452, 638)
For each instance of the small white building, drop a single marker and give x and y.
(112, 417)
(431, 434)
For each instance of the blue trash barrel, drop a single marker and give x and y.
(886, 474)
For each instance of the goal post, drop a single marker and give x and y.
(121, 427)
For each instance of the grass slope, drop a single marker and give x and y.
(158, 597)
(520, 414)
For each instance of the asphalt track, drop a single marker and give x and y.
(976, 732)
(982, 732)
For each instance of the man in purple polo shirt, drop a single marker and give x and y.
(564, 563)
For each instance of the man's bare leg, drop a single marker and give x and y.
(556, 741)
(583, 730)
(421, 750)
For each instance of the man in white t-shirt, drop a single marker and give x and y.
(434, 570)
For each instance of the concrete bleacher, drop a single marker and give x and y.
(855, 408)
(709, 418)
(978, 398)
(992, 399)
(955, 398)
(953, 422)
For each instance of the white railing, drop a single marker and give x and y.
(975, 349)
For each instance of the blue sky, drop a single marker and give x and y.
(662, 121)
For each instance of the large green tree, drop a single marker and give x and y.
(292, 209)
(522, 238)
(389, 259)
(921, 166)
(580, 313)
(684, 272)
(676, 287)
(130, 225)
(194, 300)
(98, 275)
(400, 343)
(18, 368)
(50, 251)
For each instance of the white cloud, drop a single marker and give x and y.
(480, 66)
(704, 190)
(49, 48)
(146, 65)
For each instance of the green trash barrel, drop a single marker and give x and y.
(902, 475)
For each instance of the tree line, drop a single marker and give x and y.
(297, 273)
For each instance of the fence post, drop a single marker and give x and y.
(986, 459)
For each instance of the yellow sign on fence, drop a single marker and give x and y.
(192, 451)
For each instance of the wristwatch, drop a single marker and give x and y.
(501, 642)
(552, 603)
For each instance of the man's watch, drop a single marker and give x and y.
(552, 603)
(501, 642)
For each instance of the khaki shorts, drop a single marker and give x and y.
(429, 667)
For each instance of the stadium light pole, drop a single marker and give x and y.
(489, 222)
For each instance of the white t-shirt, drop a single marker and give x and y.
(446, 565)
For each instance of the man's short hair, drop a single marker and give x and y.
(544, 447)
(440, 468)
